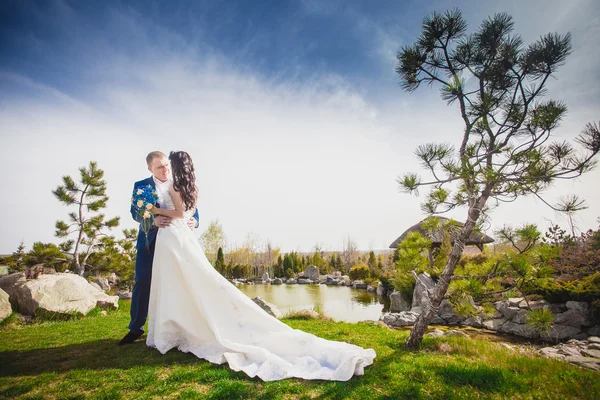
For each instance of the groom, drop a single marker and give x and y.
(158, 164)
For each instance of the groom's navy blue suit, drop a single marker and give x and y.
(140, 297)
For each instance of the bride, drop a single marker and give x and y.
(195, 309)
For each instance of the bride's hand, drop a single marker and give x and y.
(156, 210)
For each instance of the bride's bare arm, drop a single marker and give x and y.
(179, 210)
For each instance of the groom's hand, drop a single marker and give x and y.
(161, 221)
(192, 223)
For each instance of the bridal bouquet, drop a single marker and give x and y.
(143, 200)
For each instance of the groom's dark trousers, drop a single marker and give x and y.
(140, 296)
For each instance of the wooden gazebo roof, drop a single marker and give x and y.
(476, 239)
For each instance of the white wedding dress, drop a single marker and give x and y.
(195, 309)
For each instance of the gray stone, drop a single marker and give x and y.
(557, 308)
(10, 283)
(96, 286)
(571, 317)
(520, 330)
(291, 281)
(446, 312)
(113, 278)
(125, 294)
(303, 281)
(520, 317)
(437, 320)
(534, 305)
(371, 289)
(5, 307)
(271, 309)
(515, 301)
(594, 346)
(103, 283)
(506, 309)
(341, 283)
(359, 285)
(591, 353)
(436, 333)
(560, 332)
(456, 333)
(475, 322)
(405, 318)
(311, 272)
(276, 281)
(593, 339)
(348, 283)
(61, 293)
(586, 362)
(581, 306)
(423, 287)
(568, 350)
(265, 277)
(398, 302)
(381, 290)
(494, 324)
(551, 352)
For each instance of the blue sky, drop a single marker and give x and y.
(290, 109)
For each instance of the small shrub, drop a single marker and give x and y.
(404, 282)
(359, 271)
(541, 319)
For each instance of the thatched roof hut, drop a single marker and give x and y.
(476, 239)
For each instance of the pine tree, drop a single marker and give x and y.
(220, 263)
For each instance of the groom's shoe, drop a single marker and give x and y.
(130, 338)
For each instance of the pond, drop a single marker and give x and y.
(338, 302)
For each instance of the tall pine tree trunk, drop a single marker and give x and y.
(429, 310)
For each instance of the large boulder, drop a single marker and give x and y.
(276, 281)
(311, 272)
(572, 317)
(446, 312)
(494, 324)
(398, 302)
(559, 332)
(520, 330)
(5, 308)
(405, 318)
(11, 283)
(103, 283)
(507, 308)
(265, 277)
(303, 281)
(271, 309)
(423, 287)
(61, 293)
(359, 285)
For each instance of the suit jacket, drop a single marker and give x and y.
(141, 240)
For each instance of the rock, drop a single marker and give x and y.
(586, 362)
(437, 320)
(337, 274)
(423, 287)
(534, 305)
(551, 352)
(446, 312)
(103, 283)
(265, 277)
(520, 330)
(311, 272)
(515, 301)
(381, 290)
(594, 346)
(571, 317)
(581, 306)
(103, 313)
(594, 331)
(436, 333)
(559, 332)
(125, 294)
(520, 317)
(398, 302)
(508, 346)
(5, 307)
(303, 281)
(475, 322)
(591, 353)
(454, 332)
(506, 309)
(580, 336)
(10, 283)
(593, 339)
(276, 281)
(359, 285)
(96, 286)
(405, 318)
(271, 309)
(348, 283)
(557, 308)
(494, 324)
(61, 293)
(371, 289)
(113, 278)
(341, 283)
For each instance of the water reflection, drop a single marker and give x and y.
(340, 303)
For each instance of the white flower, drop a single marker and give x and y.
(140, 191)
(149, 206)
(140, 203)
(146, 214)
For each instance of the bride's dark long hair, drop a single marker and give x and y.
(184, 178)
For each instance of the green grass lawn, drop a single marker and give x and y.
(80, 359)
